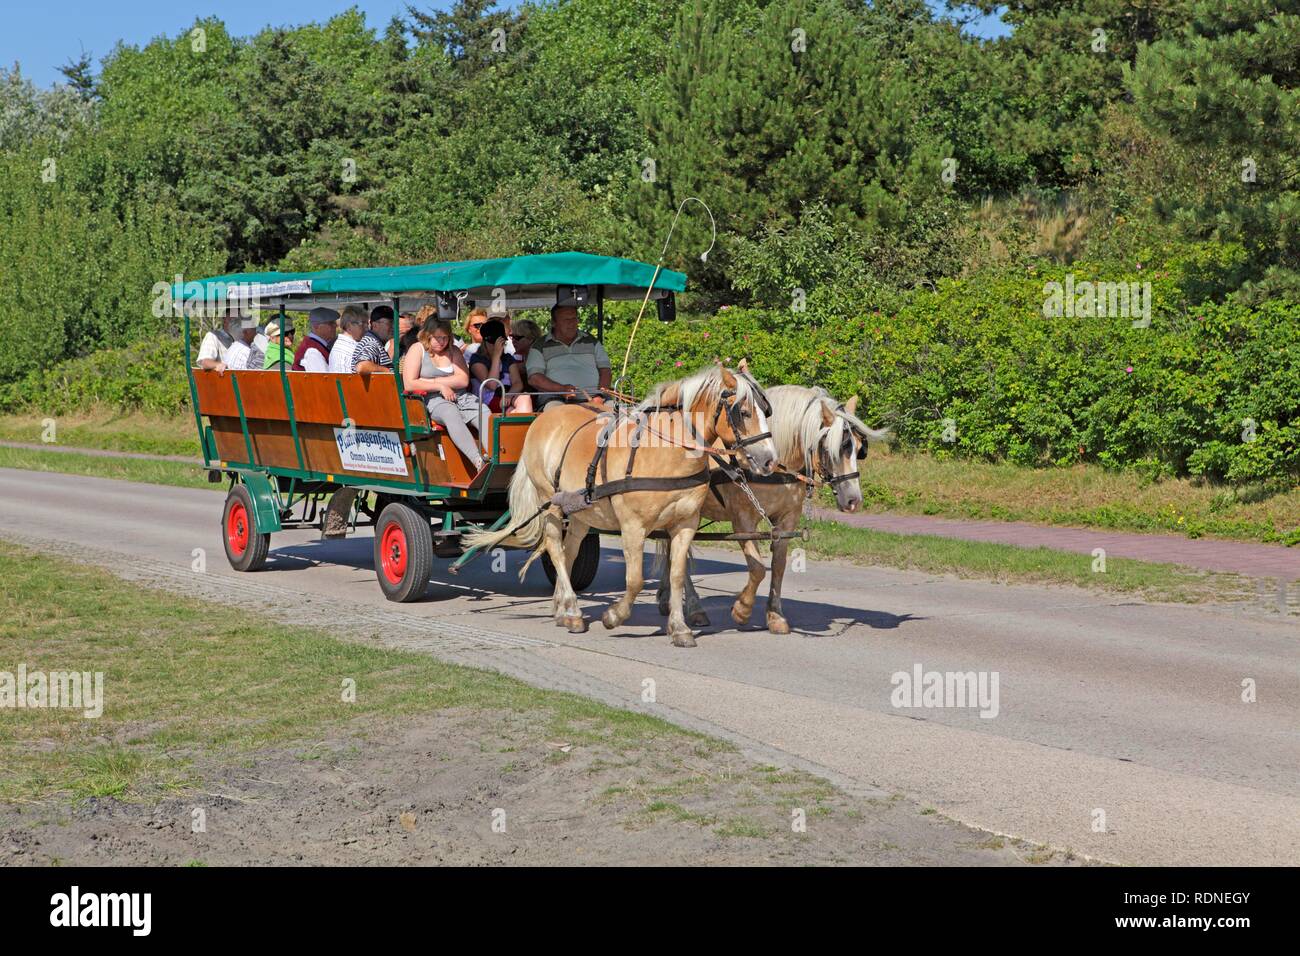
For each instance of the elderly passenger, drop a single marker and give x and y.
(352, 326)
(216, 344)
(313, 354)
(275, 355)
(372, 353)
(568, 361)
(242, 354)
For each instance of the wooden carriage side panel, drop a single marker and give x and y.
(371, 399)
(370, 402)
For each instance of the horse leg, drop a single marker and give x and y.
(634, 558)
(565, 603)
(744, 604)
(678, 629)
(661, 569)
(696, 616)
(776, 622)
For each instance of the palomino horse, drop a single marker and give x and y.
(817, 438)
(653, 474)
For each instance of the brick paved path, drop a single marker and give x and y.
(1241, 557)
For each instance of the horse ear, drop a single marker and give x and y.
(851, 405)
(744, 366)
(728, 377)
(828, 416)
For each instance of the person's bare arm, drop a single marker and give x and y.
(411, 380)
(212, 365)
(369, 368)
(459, 377)
(543, 384)
(518, 376)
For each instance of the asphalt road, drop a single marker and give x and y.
(1120, 731)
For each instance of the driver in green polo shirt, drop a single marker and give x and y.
(568, 361)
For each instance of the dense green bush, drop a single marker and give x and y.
(976, 368)
(148, 375)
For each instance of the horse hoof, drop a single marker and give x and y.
(610, 619)
(740, 613)
(776, 624)
(684, 639)
(698, 619)
(577, 625)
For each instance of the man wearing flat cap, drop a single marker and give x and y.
(313, 354)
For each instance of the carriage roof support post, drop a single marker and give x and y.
(600, 313)
(194, 392)
(288, 394)
(401, 390)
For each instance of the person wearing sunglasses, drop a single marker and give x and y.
(494, 359)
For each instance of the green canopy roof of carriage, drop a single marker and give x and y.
(621, 278)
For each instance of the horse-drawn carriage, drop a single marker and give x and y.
(300, 448)
(289, 441)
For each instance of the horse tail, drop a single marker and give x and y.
(526, 507)
(660, 567)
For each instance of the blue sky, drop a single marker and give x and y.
(42, 35)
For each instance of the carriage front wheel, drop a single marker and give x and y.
(246, 550)
(584, 565)
(403, 552)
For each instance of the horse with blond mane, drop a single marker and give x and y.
(819, 441)
(636, 471)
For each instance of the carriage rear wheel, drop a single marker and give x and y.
(403, 552)
(246, 550)
(584, 565)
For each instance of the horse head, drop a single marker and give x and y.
(740, 419)
(839, 449)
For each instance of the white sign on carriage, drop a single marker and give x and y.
(364, 449)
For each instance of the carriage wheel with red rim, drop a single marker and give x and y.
(403, 552)
(246, 549)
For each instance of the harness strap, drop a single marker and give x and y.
(720, 477)
(622, 486)
(559, 468)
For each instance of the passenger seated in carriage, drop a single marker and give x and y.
(493, 359)
(568, 361)
(352, 326)
(216, 344)
(373, 353)
(435, 366)
(243, 352)
(275, 355)
(313, 354)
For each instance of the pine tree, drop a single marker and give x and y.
(1231, 82)
(77, 73)
(466, 32)
(763, 111)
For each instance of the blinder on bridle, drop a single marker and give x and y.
(736, 422)
(833, 480)
(760, 396)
